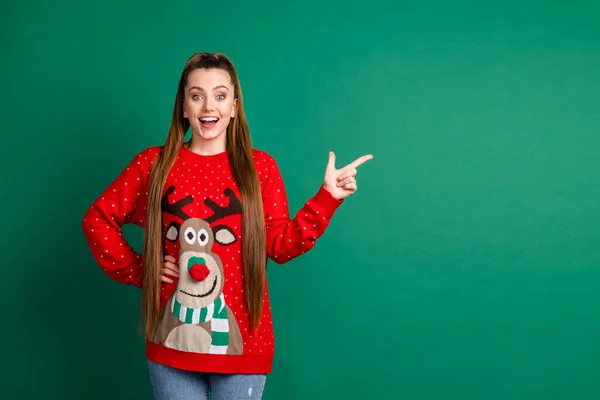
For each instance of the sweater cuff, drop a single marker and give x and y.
(326, 202)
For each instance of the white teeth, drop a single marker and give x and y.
(209, 119)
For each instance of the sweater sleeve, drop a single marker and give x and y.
(124, 201)
(287, 238)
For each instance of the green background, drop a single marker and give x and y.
(466, 265)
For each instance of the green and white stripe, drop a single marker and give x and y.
(215, 312)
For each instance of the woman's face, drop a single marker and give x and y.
(209, 103)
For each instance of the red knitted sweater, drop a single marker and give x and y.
(204, 324)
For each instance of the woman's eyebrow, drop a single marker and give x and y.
(215, 88)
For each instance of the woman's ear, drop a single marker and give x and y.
(185, 114)
(234, 108)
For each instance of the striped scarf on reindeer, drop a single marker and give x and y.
(215, 312)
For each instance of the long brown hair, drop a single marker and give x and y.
(239, 151)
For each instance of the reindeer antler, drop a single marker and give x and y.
(234, 207)
(177, 207)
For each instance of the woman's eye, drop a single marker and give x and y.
(196, 97)
(221, 97)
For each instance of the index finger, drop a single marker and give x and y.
(170, 258)
(358, 161)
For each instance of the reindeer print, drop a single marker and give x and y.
(196, 318)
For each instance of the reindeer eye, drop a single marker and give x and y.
(190, 235)
(202, 237)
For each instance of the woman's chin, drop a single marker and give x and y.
(209, 135)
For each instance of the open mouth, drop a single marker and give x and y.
(212, 289)
(208, 122)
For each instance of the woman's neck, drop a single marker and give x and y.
(204, 147)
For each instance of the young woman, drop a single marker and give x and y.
(213, 210)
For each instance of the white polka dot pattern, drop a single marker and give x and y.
(201, 177)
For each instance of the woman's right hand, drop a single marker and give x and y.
(169, 268)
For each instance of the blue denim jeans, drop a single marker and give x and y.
(176, 384)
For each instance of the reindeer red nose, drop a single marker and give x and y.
(199, 272)
(198, 269)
